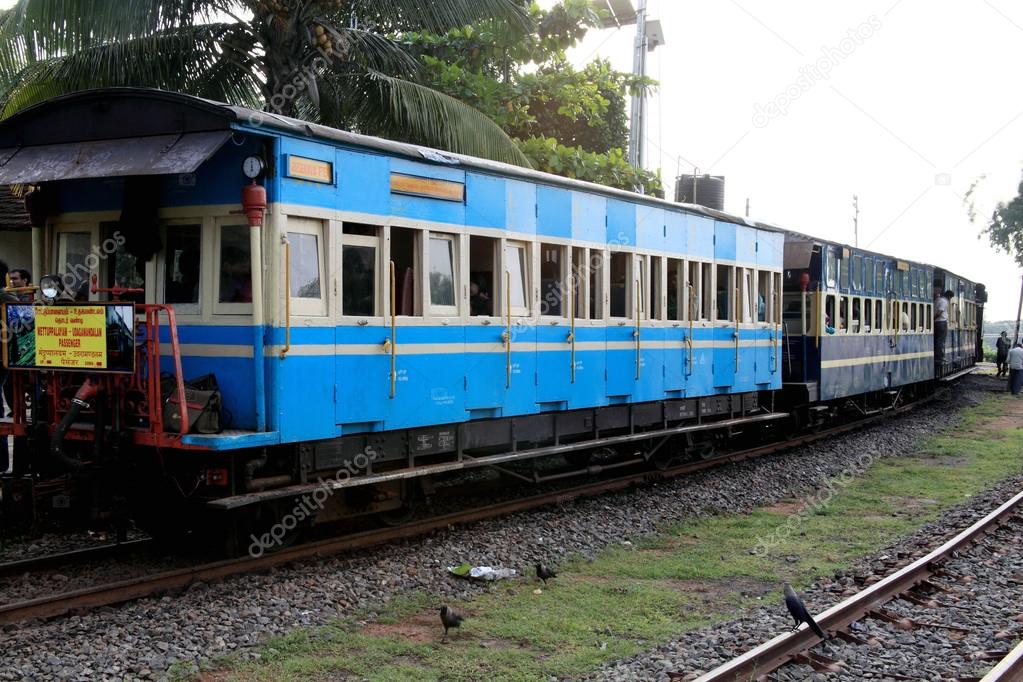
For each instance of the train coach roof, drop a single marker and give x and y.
(108, 114)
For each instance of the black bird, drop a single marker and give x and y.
(799, 613)
(450, 618)
(545, 573)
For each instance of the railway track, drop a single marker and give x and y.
(926, 585)
(73, 557)
(85, 599)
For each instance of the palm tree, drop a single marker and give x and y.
(337, 62)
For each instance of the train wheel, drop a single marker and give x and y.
(268, 528)
(411, 497)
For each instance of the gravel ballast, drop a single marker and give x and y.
(144, 638)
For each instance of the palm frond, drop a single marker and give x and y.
(209, 60)
(378, 104)
(439, 16)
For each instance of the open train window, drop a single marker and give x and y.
(879, 315)
(442, 281)
(405, 256)
(830, 319)
(843, 314)
(306, 254)
(596, 277)
(182, 273)
(868, 316)
(639, 280)
(577, 283)
(482, 266)
(234, 279)
(856, 317)
(724, 293)
(619, 284)
(745, 301)
(516, 266)
(654, 309)
(123, 268)
(676, 298)
(776, 293)
(764, 294)
(928, 317)
(360, 271)
(75, 260)
(552, 280)
(832, 268)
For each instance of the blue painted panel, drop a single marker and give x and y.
(485, 197)
(725, 367)
(650, 228)
(236, 379)
(745, 244)
(699, 237)
(364, 181)
(770, 249)
(676, 239)
(700, 374)
(485, 372)
(724, 241)
(553, 367)
(650, 385)
(554, 211)
(621, 360)
(621, 223)
(589, 387)
(676, 354)
(427, 170)
(305, 409)
(364, 380)
(423, 208)
(521, 205)
(306, 192)
(589, 217)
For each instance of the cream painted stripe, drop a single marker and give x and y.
(874, 359)
(206, 350)
(498, 347)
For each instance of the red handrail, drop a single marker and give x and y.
(153, 311)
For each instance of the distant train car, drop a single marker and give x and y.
(370, 308)
(859, 324)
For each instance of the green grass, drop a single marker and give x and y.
(632, 597)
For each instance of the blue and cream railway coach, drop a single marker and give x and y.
(427, 311)
(859, 323)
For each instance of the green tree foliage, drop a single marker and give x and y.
(1004, 229)
(337, 62)
(567, 121)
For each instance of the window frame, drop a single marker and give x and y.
(229, 308)
(380, 310)
(527, 264)
(441, 310)
(316, 307)
(180, 309)
(563, 268)
(60, 250)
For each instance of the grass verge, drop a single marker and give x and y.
(634, 596)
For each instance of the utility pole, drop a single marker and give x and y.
(637, 129)
(747, 207)
(1015, 337)
(856, 221)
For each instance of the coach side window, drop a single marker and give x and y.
(596, 276)
(868, 316)
(832, 273)
(764, 296)
(234, 284)
(577, 283)
(654, 311)
(482, 266)
(181, 274)
(724, 292)
(745, 304)
(844, 274)
(360, 268)
(676, 299)
(442, 274)
(854, 324)
(405, 256)
(517, 272)
(305, 254)
(843, 314)
(639, 280)
(619, 283)
(552, 280)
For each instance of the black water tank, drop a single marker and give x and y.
(705, 190)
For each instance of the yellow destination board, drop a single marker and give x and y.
(72, 337)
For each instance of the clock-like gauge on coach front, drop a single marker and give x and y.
(253, 167)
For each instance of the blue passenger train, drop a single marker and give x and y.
(374, 314)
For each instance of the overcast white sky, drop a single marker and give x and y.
(923, 101)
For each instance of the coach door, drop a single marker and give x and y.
(553, 343)
(362, 338)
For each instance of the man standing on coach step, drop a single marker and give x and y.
(1016, 369)
(941, 325)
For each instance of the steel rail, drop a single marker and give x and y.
(82, 600)
(1008, 669)
(74, 556)
(781, 650)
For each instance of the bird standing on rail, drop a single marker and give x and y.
(799, 613)
(545, 573)
(450, 618)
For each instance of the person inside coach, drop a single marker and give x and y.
(941, 325)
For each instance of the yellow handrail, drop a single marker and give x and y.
(507, 335)
(737, 316)
(287, 296)
(636, 333)
(692, 314)
(571, 318)
(394, 334)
